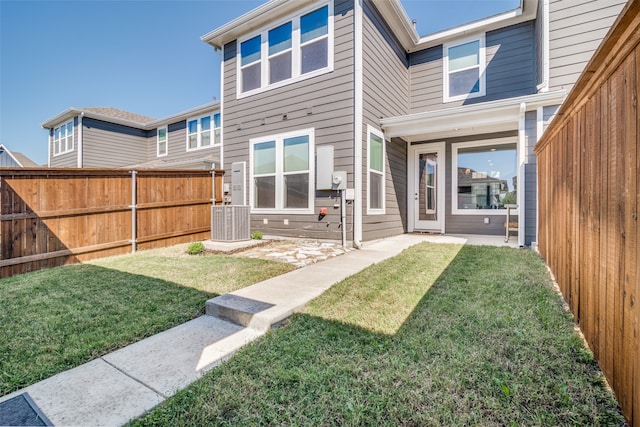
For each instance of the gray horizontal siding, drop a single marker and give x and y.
(511, 69)
(576, 28)
(324, 103)
(385, 94)
(177, 145)
(109, 145)
(531, 204)
(66, 160)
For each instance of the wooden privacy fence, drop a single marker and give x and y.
(588, 164)
(51, 217)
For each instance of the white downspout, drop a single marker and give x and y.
(221, 108)
(539, 131)
(544, 86)
(80, 146)
(357, 123)
(49, 138)
(522, 149)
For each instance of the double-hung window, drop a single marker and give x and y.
(375, 171)
(464, 69)
(203, 132)
(282, 172)
(294, 49)
(161, 142)
(63, 138)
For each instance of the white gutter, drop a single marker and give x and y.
(243, 24)
(358, 110)
(502, 111)
(80, 146)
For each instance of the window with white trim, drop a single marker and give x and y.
(484, 176)
(375, 171)
(63, 138)
(282, 172)
(292, 50)
(464, 69)
(162, 142)
(203, 132)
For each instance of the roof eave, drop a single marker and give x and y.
(496, 115)
(248, 22)
(215, 105)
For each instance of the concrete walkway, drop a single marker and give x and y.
(112, 390)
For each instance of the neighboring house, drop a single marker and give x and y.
(13, 159)
(404, 114)
(111, 138)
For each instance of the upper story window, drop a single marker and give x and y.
(464, 69)
(162, 142)
(63, 138)
(298, 48)
(203, 132)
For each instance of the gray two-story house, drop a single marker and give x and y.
(333, 100)
(105, 137)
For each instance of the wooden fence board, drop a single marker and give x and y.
(588, 225)
(51, 217)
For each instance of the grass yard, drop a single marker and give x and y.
(53, 320)
(440, 335)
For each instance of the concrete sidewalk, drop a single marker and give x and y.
(112, 390)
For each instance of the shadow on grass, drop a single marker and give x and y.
(59, 318)
(488, 344)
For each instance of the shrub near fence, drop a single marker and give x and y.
(588, 188)
(52, 217)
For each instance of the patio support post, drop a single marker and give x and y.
(522, 150)
(133, 210)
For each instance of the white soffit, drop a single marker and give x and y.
(486, 117)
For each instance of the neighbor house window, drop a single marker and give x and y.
(63, 138)
(282, 172)
(296, 48)
(162, 142)
(485, 176)
(464, 69)
(375, 171)
(203, 132)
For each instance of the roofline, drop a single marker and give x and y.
(6, 150)
(242, 24)
(73, 112)
(184, 114)
(393, 12)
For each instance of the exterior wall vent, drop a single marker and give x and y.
(230, 223)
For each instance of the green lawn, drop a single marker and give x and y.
(440, 335)
(56, 319)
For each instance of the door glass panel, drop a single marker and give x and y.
(427, 187)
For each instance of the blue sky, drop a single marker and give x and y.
(141, 56)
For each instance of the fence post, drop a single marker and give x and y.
(133, 210)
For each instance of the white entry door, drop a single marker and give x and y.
(428, 187)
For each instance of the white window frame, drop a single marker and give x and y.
(454, 176)
(214, 141)
(482, 67)
(377, 211)
(279, 173)
(69, 140)
(166, 141)
(296, 46)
